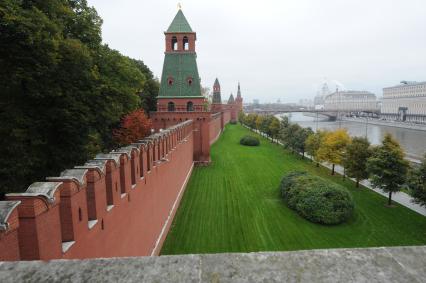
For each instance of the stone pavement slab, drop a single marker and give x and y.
(391, 264)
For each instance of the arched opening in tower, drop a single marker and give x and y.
(174, 43)
(171, 107)
(185, 43)
(190, 106)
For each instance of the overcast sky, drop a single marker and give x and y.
(280, 49)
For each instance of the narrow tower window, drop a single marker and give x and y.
(171, 107)
(170, 81)
(80, 214)
(185, 43)
(174, 43)
(189, 80)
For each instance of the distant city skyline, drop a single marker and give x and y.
(280, 49)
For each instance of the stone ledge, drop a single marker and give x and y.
(396, 264)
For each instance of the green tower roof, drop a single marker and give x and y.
(181, 68)
(179, 24)
(217, 99)
(231, 99)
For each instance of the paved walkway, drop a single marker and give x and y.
(399, 197)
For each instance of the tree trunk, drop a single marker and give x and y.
(344, 173)
(332, 169)
(390, 199)
(317, 164)
(357, 183)
(303, 154)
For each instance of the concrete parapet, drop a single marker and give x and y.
(390, 264)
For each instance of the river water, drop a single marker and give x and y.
(412, 141)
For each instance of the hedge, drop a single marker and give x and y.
(316, 199)
(250, 141)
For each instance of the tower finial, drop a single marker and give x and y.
(179, 6)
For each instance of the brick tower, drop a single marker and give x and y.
(180, 88)
(217, 98)
(232, 107)
(180, 97)
(239, 100)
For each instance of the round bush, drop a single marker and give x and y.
(233, 122)
(316, 199)
(250, 141)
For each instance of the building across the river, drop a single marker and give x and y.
(351, 101)
(405, 102)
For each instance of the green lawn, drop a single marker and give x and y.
(234, 205)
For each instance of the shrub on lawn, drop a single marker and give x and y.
(250, 141)
(233, 122)
(316, 199)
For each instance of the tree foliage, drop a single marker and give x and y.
(134, 126)
(62, 91)
(313, 143)
(316, 199)
(387, 167)
(274, 127)
(355, 159)
(417, 183)
(250, 141)
(333, 147)
(241, 117)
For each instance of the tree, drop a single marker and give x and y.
(266, 121)
(417, 183)
(241, 117)
(62, 91)
(313, 143)
(259, 121)
(149, 92)
(300, 138)
(134, 126)
(355, 160)
(250, 120)
(274, 128)
(387, 167)
(333, 147)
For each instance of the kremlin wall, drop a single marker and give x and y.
(122, 203)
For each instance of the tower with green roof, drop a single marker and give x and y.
(180, 89)
(217, 98)
(239, 100)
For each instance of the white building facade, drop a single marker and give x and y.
(351, 101)
(405, 102)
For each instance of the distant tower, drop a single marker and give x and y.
(231, 99)
(217, 97)
(239, 100)
(180, 88)
(233, 108)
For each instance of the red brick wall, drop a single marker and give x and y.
(136, 225)
(9, 243)
(215, 127)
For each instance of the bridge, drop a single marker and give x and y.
(332, 114)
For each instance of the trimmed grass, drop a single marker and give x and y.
(234, 205)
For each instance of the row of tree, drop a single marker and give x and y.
(62, 91)
(384, 165)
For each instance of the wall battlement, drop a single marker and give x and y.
(118, 204)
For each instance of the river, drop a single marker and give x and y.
(412, 141)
